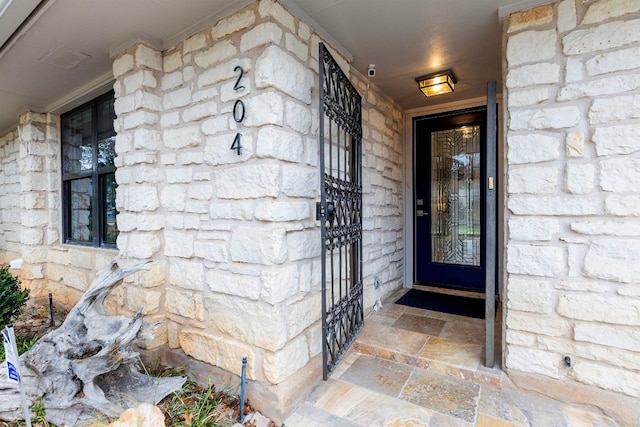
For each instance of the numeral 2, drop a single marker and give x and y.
(238, 86)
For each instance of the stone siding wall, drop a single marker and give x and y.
(382, 174)
(233, 237)
(30, 208)
(572, 85)
(39, 194)
(9, 197)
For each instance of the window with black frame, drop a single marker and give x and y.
(88, 174)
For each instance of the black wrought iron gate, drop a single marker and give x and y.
(340, 210)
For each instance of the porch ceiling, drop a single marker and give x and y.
(404, 39)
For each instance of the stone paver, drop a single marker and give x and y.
(396, 374)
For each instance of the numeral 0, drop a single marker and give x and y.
(238, 112)
(238, 116)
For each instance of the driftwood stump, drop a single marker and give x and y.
(86, 367)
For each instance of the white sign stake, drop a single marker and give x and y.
(13, 367)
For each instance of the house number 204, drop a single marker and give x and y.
(238, 111)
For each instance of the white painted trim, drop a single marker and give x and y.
(33, 108)
(84, 93)
(8, 129)
(520, 6)
(212, 19)
(450, 106)
(409, 256)
(101, 84)
(4, 5)
(138, 38)
(205, 22)
(29, 21)
(20, 111)
(182, 35)
(296, 10)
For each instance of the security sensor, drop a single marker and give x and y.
(372, 70)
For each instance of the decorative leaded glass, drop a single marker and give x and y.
(455, 196)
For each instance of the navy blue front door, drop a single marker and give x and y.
(449, 202)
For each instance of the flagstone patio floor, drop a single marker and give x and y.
(411, 367)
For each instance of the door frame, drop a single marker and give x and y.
(408, 189)
(457, 272)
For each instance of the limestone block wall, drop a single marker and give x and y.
(382, 174)
(573, 146)
(232, 233)
(38, 172)
(30, 210)
(9, 197)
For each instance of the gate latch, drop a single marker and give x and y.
(324, 211)
(321, 212)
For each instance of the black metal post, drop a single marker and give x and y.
(53, 323)
(242, 385)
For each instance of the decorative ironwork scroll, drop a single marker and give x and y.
(340, 210)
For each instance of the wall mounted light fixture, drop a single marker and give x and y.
(437, 83)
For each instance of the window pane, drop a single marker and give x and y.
(106, 134)
(81, 227)
(77, 154)
(109, 215)
(88, 152)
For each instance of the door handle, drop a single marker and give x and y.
(420, 212)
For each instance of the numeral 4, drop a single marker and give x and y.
(236, 144)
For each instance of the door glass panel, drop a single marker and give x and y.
(455, 196)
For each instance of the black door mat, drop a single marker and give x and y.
(454, 304)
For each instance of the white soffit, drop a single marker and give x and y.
(12, 15)
(63, 57)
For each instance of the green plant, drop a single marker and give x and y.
(195, 405)
(39, 413)
(12, 298)
(198, 406)
(23, 342)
